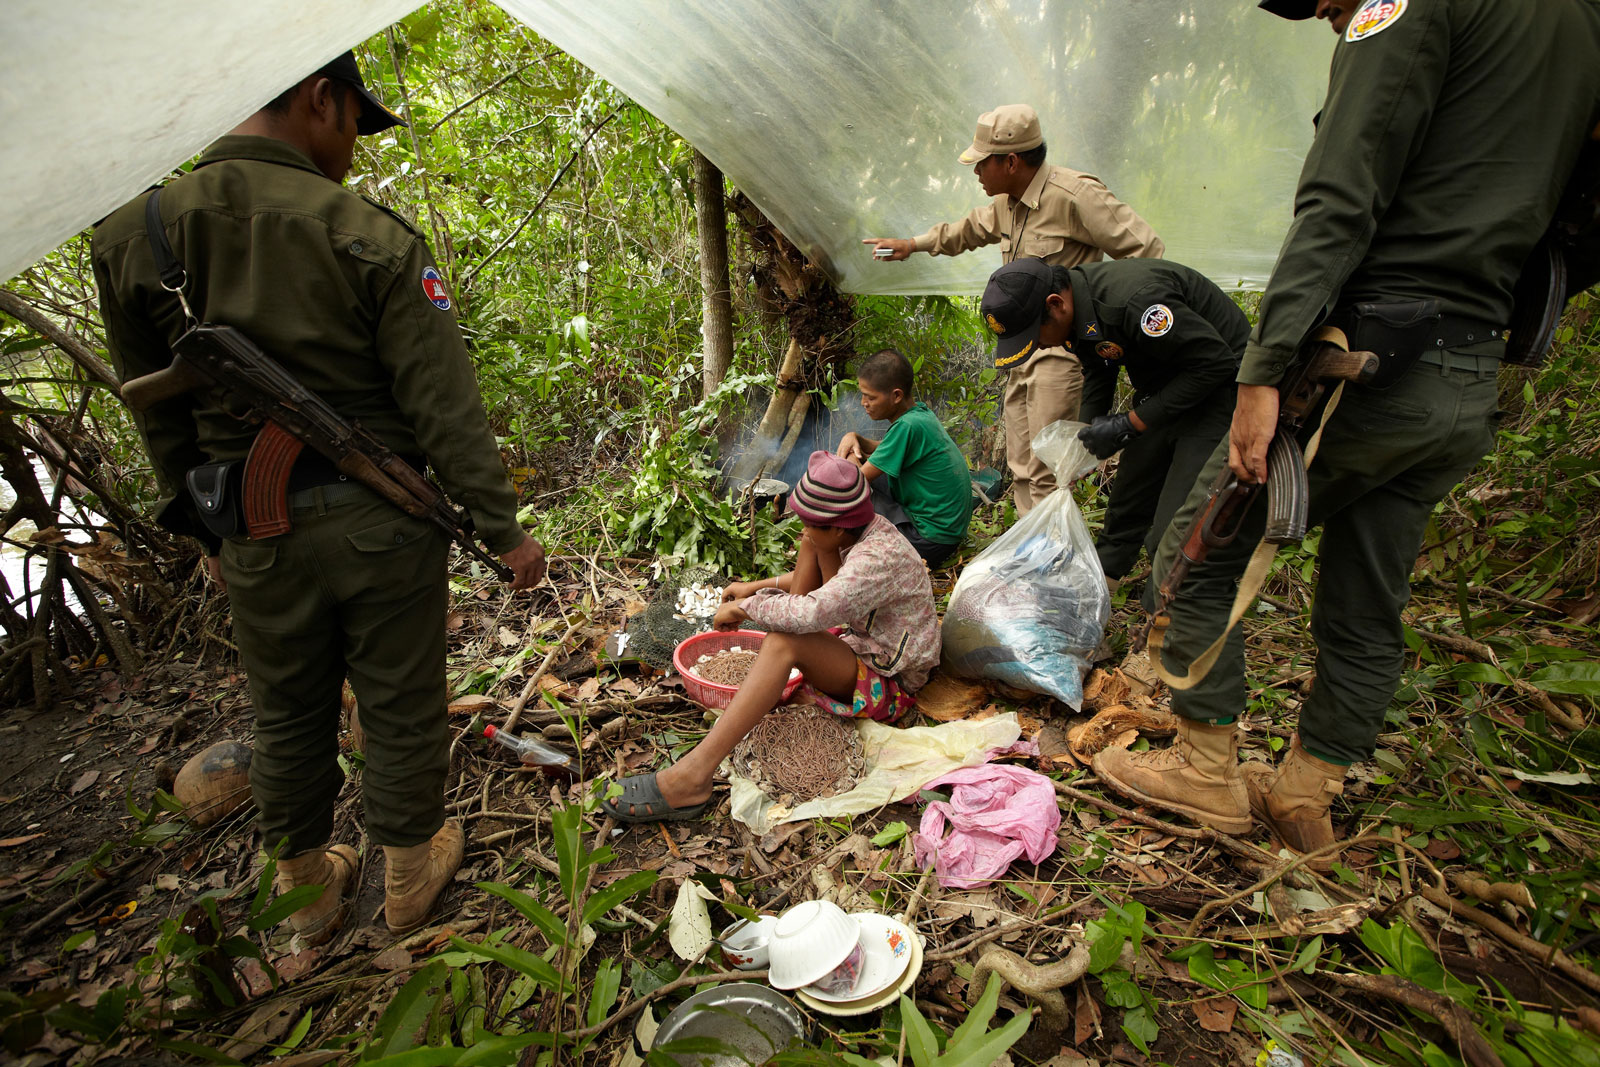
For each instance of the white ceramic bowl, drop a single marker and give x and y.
(809, 941)
(744, 944)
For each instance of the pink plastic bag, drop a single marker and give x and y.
(996, 813)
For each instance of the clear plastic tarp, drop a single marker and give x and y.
(100, 98)
(840, 120)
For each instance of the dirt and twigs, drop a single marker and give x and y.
(801, 752)
(1143, 939)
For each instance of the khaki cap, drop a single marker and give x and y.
(1008, 128)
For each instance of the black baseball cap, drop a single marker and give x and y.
(1290, 9)
(375, 115)
(1013, 308)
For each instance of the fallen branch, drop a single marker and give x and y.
(1212, 907)
(1536, 950)
(1455, 1019)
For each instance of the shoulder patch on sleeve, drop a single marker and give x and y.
(433, 288)
(1156, 320)
(1373, 17)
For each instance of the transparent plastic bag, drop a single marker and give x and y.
(1032, 608)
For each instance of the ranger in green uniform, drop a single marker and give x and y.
(1446, 137)
(1180, 338)
(345, 296)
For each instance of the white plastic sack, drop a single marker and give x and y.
(1031, 609)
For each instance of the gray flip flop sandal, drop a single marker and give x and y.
(641, 793)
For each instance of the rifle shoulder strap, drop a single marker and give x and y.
(172, 273)
(1254, 577)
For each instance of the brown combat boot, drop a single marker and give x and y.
(1293, 799)
(335, 870)
(1196, 776)
(415, 875)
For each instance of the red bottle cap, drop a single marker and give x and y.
(490, 730)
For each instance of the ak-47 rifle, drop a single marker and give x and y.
(1323, 362)
(252, 386)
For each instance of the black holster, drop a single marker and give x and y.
(1398, 332)
(216, 488)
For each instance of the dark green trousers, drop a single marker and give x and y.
(1154, 474)
(355, 588)
(1387, 459)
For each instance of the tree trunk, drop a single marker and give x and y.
(711, 218)
(775, 422)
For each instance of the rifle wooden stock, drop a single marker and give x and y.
(231, 365)
(181, 377)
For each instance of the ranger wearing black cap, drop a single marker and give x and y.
(1448, 132)
(345, 296)
(1180, 338)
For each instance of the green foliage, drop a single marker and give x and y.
(972, 1044)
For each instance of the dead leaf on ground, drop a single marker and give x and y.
(1086, 1017)
(83, 781)
(472, 704)
(1111, 729)
(1215, 1014)
(393, 958)
(13, 842)
(588, 690)
(1442, 848)
(945, 699)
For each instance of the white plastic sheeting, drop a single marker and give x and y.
(841, 120)
(100, 98)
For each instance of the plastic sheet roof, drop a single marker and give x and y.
(840, 120)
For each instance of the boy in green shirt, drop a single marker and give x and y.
(919, 477)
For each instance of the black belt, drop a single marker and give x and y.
(312, 469)
(1453, 331)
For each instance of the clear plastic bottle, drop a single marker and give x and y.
(531, 752)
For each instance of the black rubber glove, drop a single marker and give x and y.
(1108, 435)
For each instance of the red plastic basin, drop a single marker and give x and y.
(714, 694)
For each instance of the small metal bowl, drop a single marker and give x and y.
(753, 1023)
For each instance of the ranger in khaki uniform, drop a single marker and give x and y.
(1180, 338)
(345, 296)
(1061, 216)
(1446, 137)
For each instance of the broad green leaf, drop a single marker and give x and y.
(554, 930)
(1577, 679)
(603, 900)
(983, 1051)
(890, 834)
(1140, 1028)
(295, 1036)
(603, 994)
(396, 1029)
(285, 905)
(977, 1020)
(920, 1042)
(520, 960)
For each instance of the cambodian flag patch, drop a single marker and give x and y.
(433, 288)
(1372, 17)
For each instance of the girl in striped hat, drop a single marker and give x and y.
(855, 616)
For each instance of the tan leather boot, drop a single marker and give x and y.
(334, 870)
(1293, 800)
(1196, 776)
(414, 876)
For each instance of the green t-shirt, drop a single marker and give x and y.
(927, 475)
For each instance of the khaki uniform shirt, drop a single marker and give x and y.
(1064, 217)
(1449, 129)
(342, 292)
